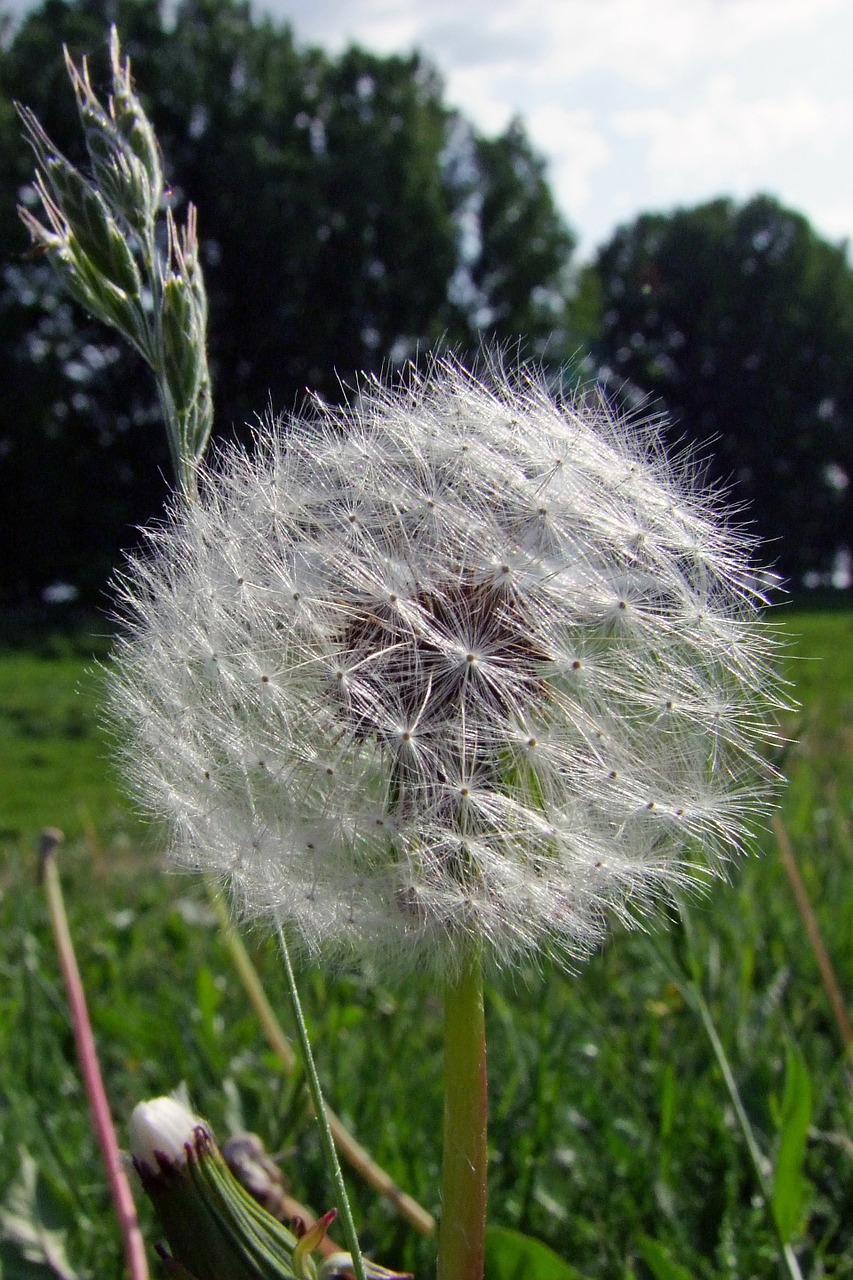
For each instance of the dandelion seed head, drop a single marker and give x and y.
(453, 664)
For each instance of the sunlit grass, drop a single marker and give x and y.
(55, 768)
(609, 1117)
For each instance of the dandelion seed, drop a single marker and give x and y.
(521, 681)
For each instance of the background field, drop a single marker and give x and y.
(610, 1120)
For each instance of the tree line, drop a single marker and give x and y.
(351, 220)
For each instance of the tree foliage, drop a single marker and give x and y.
(348, 218)
(740, 320)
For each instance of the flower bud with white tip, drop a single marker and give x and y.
(160, 1130)
(214, 1227)
(338, 1266)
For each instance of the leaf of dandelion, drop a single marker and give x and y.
(659, 1263)
(33, 1228)
(513, 1256)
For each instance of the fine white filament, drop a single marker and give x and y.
(455, 662)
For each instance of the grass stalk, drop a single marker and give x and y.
(348, 1147)
(694, 997)
(461, 1237)
(122, 1197)
(326, 1140)
(825, 966)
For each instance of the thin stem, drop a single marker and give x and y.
(827, 972)
(134, 1247)
(695, 997)
(351, 1150)
(332, 1163)
(461, 1236)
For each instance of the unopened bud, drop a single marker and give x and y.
(160, 1131)
(215, 1229)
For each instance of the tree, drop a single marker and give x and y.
(740, 320)
(512, 280)
(348, 218)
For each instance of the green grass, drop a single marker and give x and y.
(610, 1121)
(54, 758)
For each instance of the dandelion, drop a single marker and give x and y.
(455, 666)
(447, 677)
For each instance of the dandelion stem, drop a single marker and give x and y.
(134, 1248)
(461, 1237)
(333, 1166)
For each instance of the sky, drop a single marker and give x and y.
(638, 105)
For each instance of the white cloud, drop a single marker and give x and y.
(836, 219)
(639, 103)
(654, 43)
(727, 135)
(648, 43)
(578, 147)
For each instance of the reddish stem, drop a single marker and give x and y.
(824, 963)
(134, 1247)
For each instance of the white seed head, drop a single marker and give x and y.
(453, 663)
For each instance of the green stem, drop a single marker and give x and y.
(326, 1140)
(694, 995)
(461, 1237)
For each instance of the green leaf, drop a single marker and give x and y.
(16, 1265)
(33, 1227)
(513, 1256)
(659, 1262)
(789, 1185)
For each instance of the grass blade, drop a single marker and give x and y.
(789, 1185)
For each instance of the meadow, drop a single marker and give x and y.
(613, 1136)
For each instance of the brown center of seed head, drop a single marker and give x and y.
(452, 652)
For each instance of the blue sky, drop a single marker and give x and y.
(636, 104)
(639, 104)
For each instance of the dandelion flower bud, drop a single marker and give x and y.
(161, 1129)
(452, 665)
(216, 1231)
